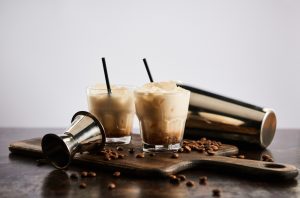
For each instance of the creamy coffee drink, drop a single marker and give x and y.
(162, 109)
(115, 111)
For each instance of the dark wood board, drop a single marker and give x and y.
(163, 165)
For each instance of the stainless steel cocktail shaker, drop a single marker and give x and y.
(215, 116)
(86, 133)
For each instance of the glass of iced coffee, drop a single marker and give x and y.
(162, 109)
(115, 111)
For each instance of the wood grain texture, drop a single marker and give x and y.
(163, 165)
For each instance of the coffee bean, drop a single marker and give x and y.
(117, 174)
(187, 149)
(84, 174)
(107, 158)
(241, 156)
(152, 154)
(74, 176)
(111, 186)
(214, 148)
(210, 152)
(216, 192)
(185, 142)
(203, 180)
(267, 158)
(131, 150)
(92, 174)
(121, 156)
(140, 155)
(175, 155)
(190, 183)
(203, 145)
(181, 177)
(180, 150)
(207, 146)
(82, 185)
(119, 148)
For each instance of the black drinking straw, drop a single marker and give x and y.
(148, 70)
(106, 76)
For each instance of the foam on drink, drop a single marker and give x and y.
(115, 111)
(162, 109)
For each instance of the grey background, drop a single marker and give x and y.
(50, 52)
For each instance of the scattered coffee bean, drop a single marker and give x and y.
(92, 174)
(175, 155)
(267, 158)
(210, 152)
(203, 145)
(107, 157)
(203, 180)
(241, 156)
(74, 176)
(84, 174)
(190, 183)
(270, 160)
(41, 162)
(214, 148)
(121, 156)
(111, 186)
(82, 185)
(117, 174)
(187, 148)
(181, 177)
(119, 148)
(140, 155)
(216, 192)
(131, 150)
(152, 154)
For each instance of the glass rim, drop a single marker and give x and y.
(161, 93)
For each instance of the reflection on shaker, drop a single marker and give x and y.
(216, 116)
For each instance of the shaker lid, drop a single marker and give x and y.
(268, 128)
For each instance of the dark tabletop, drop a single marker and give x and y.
(21, 177)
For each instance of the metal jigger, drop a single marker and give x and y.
(215, 116)
(86, 133)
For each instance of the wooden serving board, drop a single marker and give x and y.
(163, 165)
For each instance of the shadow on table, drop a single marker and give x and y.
(57, 183)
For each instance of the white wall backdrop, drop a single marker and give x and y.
(50, 52)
